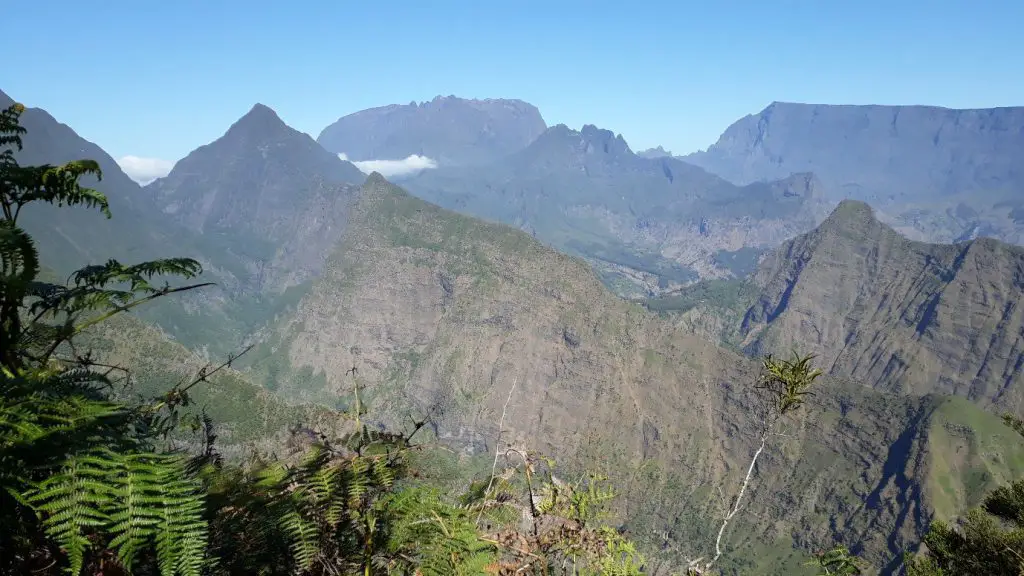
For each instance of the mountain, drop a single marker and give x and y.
(648, 221)
(268, 190)
(448, 130)
(259, 208)
(71, 238)
(895, 314)
(939, 173)
(658, 152)
(463, 320)
(246, 415)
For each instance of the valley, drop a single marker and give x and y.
(550, 290)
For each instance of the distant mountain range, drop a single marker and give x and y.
(642, 221)
(938, 174)
(449, 131)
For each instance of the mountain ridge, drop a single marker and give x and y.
(898, 314)
(935, 173)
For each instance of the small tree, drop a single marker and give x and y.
(783, 388)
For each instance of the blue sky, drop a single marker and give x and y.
(156, 79)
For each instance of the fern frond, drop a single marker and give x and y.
(305, 543)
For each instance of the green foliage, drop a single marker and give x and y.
(548, 525)
(438, 537)
(836, 562)
(981, 545)
(788, 382)
(134, 499)
(81, 475)
(728, 295)
(343, 508)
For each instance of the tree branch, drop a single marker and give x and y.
(497, 444)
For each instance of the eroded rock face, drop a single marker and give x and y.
(896, 314)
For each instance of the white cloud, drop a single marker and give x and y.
(394, 168)
(144, 170)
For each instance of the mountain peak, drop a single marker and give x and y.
(851, 215)
(259, 109)
(5, 100)
(257, 170)
(375, 179)
(652, 153)
(853, 209)
(592, 139)
(260, 122)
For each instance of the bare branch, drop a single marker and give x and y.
(497, 444)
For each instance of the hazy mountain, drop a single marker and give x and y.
(895, 314)
(938, 173)
(259, 209)
(71, 238)
(271, 194)
(447, 130)
(658, 152)
(646, 220)
(442, 314)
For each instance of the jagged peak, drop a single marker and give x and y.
(590, 135)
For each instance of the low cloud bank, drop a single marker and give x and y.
(144, 170)
(394, 168)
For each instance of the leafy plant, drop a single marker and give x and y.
(81, 475)
(836, 562)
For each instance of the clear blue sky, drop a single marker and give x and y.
(158, 78)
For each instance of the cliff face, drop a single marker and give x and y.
(442, 314)
(938, 174)
(875, 153)
(450, 131)
(898, 315)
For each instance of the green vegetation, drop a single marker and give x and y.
(740, 262)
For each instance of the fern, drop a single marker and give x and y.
(437, 537)
(137, 499)
(78, 468)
